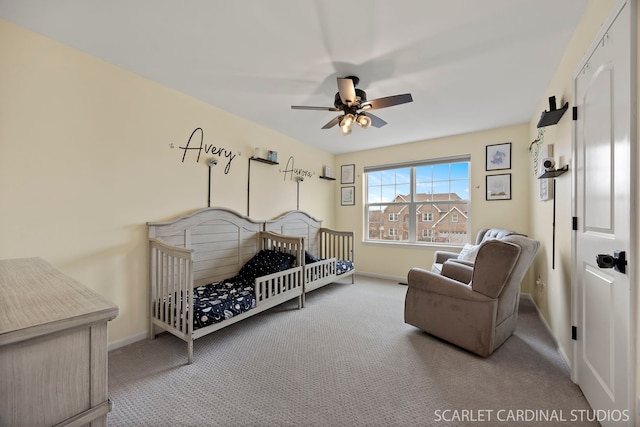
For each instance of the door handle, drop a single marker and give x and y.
(617, 261)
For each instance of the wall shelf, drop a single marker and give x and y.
(552, 116)
(261, 160)
(328, 178)
(554, 173)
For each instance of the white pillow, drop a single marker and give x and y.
(469, 252)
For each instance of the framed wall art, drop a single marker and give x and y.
(348, 196)
(348, 174)
(499, 187)
(498, 156)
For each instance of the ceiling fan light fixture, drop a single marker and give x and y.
(354, 105)
(363, 121)
(346, 130)
(347, 120)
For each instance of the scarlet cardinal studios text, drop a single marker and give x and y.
(529, 415)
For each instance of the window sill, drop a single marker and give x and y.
(412, 245)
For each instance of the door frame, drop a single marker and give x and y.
(634, 256)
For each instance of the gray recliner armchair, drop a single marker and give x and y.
(440, 257)
(474, 307)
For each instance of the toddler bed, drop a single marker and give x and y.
(216, 267)
(328, 253)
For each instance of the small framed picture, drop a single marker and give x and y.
(498, 156)
(499, 187)
(348, 174)
(348, 196)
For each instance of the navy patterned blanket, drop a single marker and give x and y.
(216, 302)
(341, 265)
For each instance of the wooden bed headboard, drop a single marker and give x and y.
(222, 240)
(299, 224)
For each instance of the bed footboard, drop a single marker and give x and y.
(338, 245)
(279, 242)
(171, 278)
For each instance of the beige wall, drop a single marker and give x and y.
(514, 213)
(86, 161)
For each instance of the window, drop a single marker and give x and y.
(427, 202)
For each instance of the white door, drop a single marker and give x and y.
(602, 300)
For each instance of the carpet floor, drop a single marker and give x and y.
(346, 359)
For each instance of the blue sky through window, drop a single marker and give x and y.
(384, 186)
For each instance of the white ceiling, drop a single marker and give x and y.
(469, 64)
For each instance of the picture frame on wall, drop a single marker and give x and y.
(499, 187)
(348, 196)
(498, 156)
(348, 174)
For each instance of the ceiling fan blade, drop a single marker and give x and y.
(388, 101)
(376, 121)
(304, 107)
(332, 122)
(347, 91)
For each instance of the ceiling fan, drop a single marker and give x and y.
(355, 107)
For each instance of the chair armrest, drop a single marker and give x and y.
(456, 270)
(463, 262)
(441, 256)
(427, 281)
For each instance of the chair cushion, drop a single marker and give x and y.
(494, 233)
(468, 252)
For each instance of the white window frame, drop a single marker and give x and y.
(412, 204)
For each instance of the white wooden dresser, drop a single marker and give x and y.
(53, 348)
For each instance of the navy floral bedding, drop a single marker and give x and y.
(216, 302)
(341, 265)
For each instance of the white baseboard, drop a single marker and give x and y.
(560, 349)
(400, 279)
(126, 341)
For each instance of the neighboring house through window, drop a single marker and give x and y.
(418, 202)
